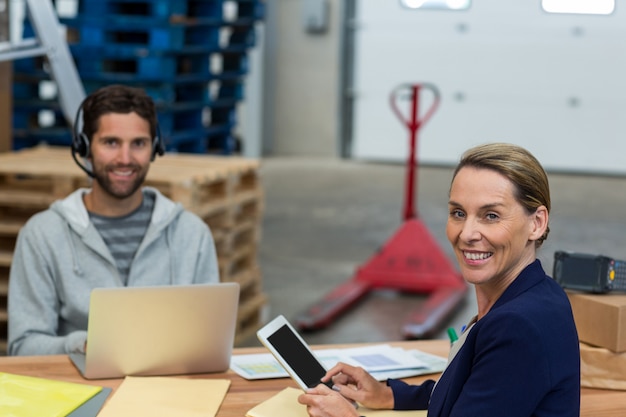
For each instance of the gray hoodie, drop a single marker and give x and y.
(60, 257)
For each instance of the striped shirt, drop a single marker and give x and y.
(124, 234)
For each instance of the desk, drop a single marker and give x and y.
(243, 395)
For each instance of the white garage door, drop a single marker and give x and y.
(507, 71)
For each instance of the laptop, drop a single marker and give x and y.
(159, 330)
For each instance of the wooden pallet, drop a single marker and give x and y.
(235, 266)
(251, 304)
(203, 184)
(4, 287)
(231, 241)
(5, 258)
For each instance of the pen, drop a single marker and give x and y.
(452, 335)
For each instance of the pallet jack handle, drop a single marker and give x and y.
(413, 124)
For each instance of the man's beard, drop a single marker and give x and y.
(101, 177)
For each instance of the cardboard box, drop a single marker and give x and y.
(601, 368)
(600, 319)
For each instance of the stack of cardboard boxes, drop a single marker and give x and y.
(601, 323)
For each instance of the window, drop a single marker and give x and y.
(437, 4)
(579, 6)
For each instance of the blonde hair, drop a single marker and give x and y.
(532, 189)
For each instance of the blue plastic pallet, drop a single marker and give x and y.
(56, 136)
(247, 11)
(168, 97)
(230, 90)
(142, 68)
(28, 66)
(195, 141)
(167, 94)
(139, 65)
(224, 115)
(179, 91)
(171, 121)
(242, 36)
(25, 117)
(163, 9)
(155, 37)
(191, 39)
(224, 144)
(25, 113)
(25, 89)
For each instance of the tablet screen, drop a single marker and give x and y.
(297, 356)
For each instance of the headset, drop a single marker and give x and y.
(81, 144)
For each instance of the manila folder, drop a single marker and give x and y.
(285, 404)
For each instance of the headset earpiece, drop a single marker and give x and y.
(81, 145)
(158, 147)
(80, 141)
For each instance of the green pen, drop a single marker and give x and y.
(452, 335)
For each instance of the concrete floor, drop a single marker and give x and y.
(325, 217)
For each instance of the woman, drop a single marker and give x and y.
(519, 356)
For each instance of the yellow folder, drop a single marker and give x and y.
(166, 397)
(285, 404)
(26, 396)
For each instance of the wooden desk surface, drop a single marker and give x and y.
(243, 394)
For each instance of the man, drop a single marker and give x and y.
(115, 234)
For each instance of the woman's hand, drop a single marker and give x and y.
(351, 385)
(357, 385)
(322, 401)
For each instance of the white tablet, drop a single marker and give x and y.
(292, 352)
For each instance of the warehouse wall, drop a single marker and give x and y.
(302, 82)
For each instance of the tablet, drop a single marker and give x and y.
(292, 352)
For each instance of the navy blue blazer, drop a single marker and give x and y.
(521, 359)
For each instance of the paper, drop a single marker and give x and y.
(166, 397)
(285, 404)
(382, 361)
(434, 364)
(23, 396)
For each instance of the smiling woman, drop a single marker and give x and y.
(499, 208)
(523, 339)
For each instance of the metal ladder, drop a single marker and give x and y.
(49, 42)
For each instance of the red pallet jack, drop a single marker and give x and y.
(411, 261)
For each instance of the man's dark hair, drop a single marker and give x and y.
(117, 99)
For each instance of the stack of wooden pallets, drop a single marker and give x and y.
(225, 192)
